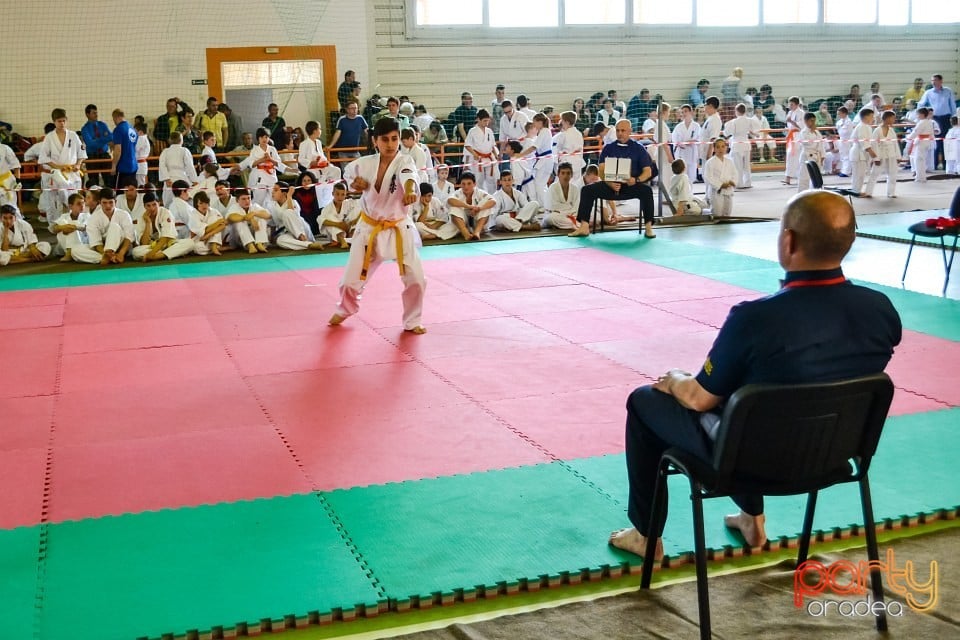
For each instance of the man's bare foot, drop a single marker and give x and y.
(336, 319)
(582, 231)
(633, 541)
(417, 330)
(750, 527)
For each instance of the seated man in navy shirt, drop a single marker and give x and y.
(818, 328)
(636, 186)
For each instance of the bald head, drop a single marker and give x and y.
(817, 230)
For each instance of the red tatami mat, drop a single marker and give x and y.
(183, 392)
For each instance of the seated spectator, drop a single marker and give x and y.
(442, 187)
(681, 191)
(9, 176)
(608, 115)
(435, 134)
(514, 212)
(338, 218)
(432, 218)
(189, 134)
(698, 95)
(422, 118)
(584, 116)
(293, 233)
(71, 227)
(562, 201)
(306, 196)
(249, 223)
(464, 116)
(264, 165)
(160, 239)
(109, 231)
(207, 225)
(18, 242)
(915, 92)
(618, 105)
(470, 207)
(765, 100)
(824, 119)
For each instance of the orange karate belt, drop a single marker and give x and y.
(378, 226)
(485, 169)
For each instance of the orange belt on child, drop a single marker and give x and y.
(378, 226)
(489, 167)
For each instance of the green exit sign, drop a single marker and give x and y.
(198, 81)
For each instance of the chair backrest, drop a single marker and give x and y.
(792, 439)
(816, 178)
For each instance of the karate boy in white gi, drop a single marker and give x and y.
(740, 131)
(442, 187)
(249, 223)
(310, 157)
(685, 138)
(409, 147)
(480, 153)
(888, 150)
(18, 242)
(387, 180)
(563, 200)
(470, 206)
(863, 156)
(61, 162)
(720, 174)
(921, 138)
(142, 151)
(844, 126)
(951, 147)
(681, 191)
(294, 233)
(176, 163)
(811, 149)
(206, 226)
(514, 211)
(71, 227)
(159, 240)
(9, 176)
(794, 126)
(569, 145)
(433, 220)
(337, 219)
(110, 233)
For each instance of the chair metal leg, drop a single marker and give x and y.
(873, 553)
(948, 264)
(913, 240)
(656, 515)
(807, 528)
(700, 546)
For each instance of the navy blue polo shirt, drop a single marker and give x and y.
(125, 142)
(639, 158)
(818, 328)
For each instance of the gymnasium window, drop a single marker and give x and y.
(594, 12)
(729, 13)
(660, 12)
(791, 11)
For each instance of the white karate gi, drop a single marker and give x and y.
(513, 128)
(811, 148)
(681, 190)
(142, 151)
(741, 129)
(293, 227)
(419, 161)
(522, 170)
(242, 233)
(324, 172)
(384, 206)
(349, 212)
(716, 173)
(175, 163)
(264, 165)
(685, 138)
(709, 131)
(164, 227)
(479, 198)
(443, 191)
(436, 212)
(67, 241)
(763, 125)
(483, 163)
(569, 148)
(794, 127)
(922, 137)
(106, 232)
(888, 148)
(198, 227)
(222, 207)
(561, 210)
(543, 165)
(59, 185)
(20, 238)
(514, 210)
(8, 181)
(845, 131)
(951, 150)
(181, 210)
(136, 211)
(861, 163)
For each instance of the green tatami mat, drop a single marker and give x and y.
(196, 568)
(19, 549)
(459, 532)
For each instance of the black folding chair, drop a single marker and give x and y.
(816, 182)
(783, 440)
(921, 229)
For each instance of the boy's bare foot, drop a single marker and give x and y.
(215, 250)
(344, 244)
(633, 541)
(750, 527)
(417, 330)
(466, 235)
(251, 248)
(429, 236)
(262, 248)
(336, 319)
(317, 246)
(67, 257)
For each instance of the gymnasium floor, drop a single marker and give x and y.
(189, 447)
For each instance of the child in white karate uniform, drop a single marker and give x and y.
(18, 242)
(311, 157)
(921, 138)
(9, 176)
(265, 165)
(71, 227)
(863, 155)
(181, 208)
(337, 219)
(249, 223)
(563, 200)
(520, 170)
(206, 226)
(132, 202)
(543, 155)
(442, 187)
(142, 151)
(176, 163)
(741, 130)
(110, 233)
(385, 231)
(480, 153)
(766, 145)
(720, 174)
(844, 126)
(61, 162)
(409, 147)
(711, 129)
(685, 138)
(294, 233)
(681, 191)
(794, 151)
(514, 211)
(433, 221)
(569, 145)
(888, 151)
(159, 240)
(811, 149)
(470, 207)
(951, 146)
